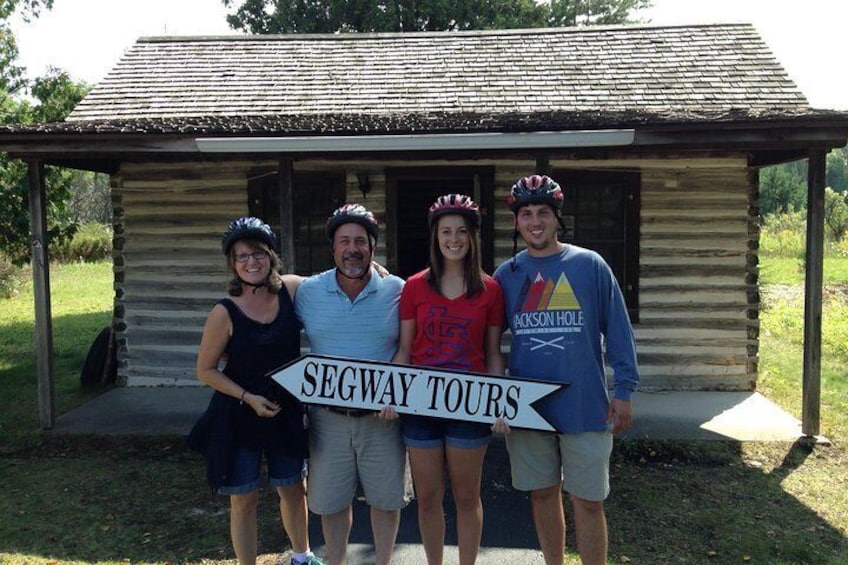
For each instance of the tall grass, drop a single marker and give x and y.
(782, 247)
(783, 251)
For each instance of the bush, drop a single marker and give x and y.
(840, 248)
(11, 277)
(91, 242)
(835, 214)
(784, 235)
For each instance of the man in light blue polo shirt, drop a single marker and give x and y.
(350, 311)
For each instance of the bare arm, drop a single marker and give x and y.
(495, 366)
(292, 283)
(216, 335)
(407, 333)
(492, 350)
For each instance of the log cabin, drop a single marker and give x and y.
(656, 134)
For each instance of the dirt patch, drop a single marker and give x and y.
(793, 294)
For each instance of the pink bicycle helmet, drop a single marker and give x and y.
(454, 204)
(535, 189)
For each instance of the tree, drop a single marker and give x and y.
(332, 16)
(783, 188)
(836, 169)
(835, 213)
(566, 13)
(55, 95)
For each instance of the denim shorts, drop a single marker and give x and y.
(427, 432)
(283, 470)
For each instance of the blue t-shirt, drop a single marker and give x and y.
(559, 309)
(366, 327)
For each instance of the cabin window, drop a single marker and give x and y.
(601, 212)
(315, 195)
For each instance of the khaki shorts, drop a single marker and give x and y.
(542, 459)
(344, 450)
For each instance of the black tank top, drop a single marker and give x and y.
(255, 349)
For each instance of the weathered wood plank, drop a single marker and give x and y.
(154, 336)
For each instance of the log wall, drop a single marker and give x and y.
(699, 302)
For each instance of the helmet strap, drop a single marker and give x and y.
(512, 263)
(256, 286)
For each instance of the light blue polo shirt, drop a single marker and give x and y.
(366, 327)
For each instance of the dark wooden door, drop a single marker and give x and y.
(414, 198)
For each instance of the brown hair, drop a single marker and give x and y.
(473, 275)
(274, 282)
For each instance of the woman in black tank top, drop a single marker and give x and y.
(250, 417)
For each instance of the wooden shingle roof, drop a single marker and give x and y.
(467, 81)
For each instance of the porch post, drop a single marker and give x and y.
(286, 193)
(41, 287)
(811, 395)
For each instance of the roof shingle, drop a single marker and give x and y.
(687, 71)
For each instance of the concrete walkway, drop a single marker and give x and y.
(508, 533)
(740, 416)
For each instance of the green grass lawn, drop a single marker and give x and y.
(137, 500)
(81, 304)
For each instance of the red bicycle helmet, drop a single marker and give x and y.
(535, 189)
(454, 204)
(352, 213)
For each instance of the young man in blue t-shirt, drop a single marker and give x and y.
(567, 316)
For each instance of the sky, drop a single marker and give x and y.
(87, 37)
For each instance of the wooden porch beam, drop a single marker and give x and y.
(286, 192)
(41, 286)
(811, 393)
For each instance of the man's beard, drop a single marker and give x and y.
(353, 271)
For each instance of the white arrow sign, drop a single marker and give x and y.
(372, 385)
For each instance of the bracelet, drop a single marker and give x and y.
(241, 399)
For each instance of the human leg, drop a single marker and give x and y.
(243, 526)
(294, 515)
(536, 466)
(590, 524)
(336, 528)
(428, 476)
(287, 475)
(465, 468)
(384, 525)
(242, 487)
(381, 465)
(586, 471)
(332, 478)
(549, 519)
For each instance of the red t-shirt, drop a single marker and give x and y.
(450, 333)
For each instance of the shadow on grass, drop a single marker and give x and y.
(19, 402)
(726, 502)
(144, 500)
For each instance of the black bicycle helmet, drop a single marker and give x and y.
(535, 189)
(352, 213)
(247, 227)
(454, 204)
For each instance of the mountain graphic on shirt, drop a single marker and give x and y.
(543, 294)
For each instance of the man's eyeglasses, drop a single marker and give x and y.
(245, 257)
